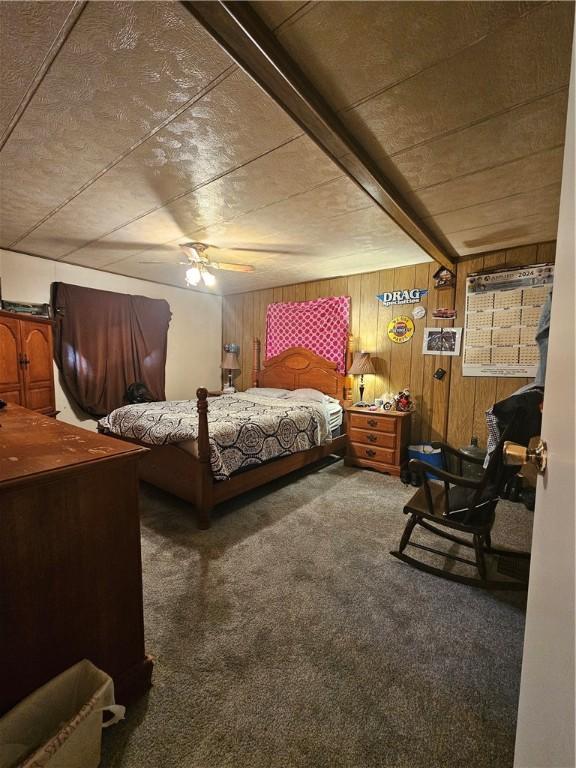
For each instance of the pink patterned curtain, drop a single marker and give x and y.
(321, 325)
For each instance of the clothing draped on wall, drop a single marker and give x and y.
(105, 341)
(542, 335)
(528, 398)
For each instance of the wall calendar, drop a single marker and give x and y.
(502, 313)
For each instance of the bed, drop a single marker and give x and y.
(209, 456)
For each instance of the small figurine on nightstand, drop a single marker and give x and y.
(403, 401)
(388, 401)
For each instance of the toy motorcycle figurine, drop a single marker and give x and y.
(403, 401)
(388, 401)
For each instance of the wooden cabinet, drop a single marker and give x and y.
(70, 568)
(26, 371)
(377, 439)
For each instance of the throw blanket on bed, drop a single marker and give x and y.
(244, 429)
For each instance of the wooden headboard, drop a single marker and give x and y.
(300, 368)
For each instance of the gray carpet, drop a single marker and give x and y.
(288, 636)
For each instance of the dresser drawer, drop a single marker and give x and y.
(370, 453)
(371, 437)
(368, 421)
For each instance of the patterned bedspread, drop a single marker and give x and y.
(244, 429)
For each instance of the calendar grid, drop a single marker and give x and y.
(502, 314)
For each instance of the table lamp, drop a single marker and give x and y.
(230, 363)
(361, 364)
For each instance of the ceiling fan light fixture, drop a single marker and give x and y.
(190, 250)
(193, 276)
(208, 278)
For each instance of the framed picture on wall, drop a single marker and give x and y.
(442, 341)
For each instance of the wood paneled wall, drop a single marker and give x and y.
(450, 408)
(471, 396)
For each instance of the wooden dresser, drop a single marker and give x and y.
(377, 439)
(70, 568)
(26, 370)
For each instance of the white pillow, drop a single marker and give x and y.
(307, 394)
(266, 392)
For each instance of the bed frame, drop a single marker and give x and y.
(190, 477)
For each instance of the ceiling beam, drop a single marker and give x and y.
(247, 39)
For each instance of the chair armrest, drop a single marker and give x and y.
(421, 467)
(444, 447)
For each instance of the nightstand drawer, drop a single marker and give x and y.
(361, 451)
(371, 437)
(378, 423)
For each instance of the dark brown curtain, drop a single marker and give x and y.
(106, 341)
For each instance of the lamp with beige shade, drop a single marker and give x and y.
(230, 363)
(361, 365)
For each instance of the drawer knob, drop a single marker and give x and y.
(370, 452)
(371, 438)
(372, 423)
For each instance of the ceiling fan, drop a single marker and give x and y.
(200, 265)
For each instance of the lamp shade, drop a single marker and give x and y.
(230, 361)
(361, 364)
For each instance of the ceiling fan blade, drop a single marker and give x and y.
(230, 267)
(280, 249)
(277, 251)
(166, 263)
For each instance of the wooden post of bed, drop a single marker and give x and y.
(255, 361)
(204, 500)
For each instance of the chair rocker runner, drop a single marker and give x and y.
(461, 505)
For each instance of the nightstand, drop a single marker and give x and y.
(377, 439)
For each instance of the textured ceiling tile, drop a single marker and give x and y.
(535, 171)
(298, 218)
(525, 230)
(289, 170)
(282, 269)
(513, 135)
(258, 185)
(521, 62)
(233, 124)
(330, 230)
(27, 30)
(331, 221)
(308, 216)
(543, 201)
(172, 274)
(123, 70)
(333, 41)
(276, 12)
(443, 69)
(529, 217)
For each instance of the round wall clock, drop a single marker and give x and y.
(400, 329)
(419, 312)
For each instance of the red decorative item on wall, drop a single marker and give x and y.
(321, 325)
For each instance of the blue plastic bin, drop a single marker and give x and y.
(426, 453)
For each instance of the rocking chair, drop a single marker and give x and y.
(466, 506)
